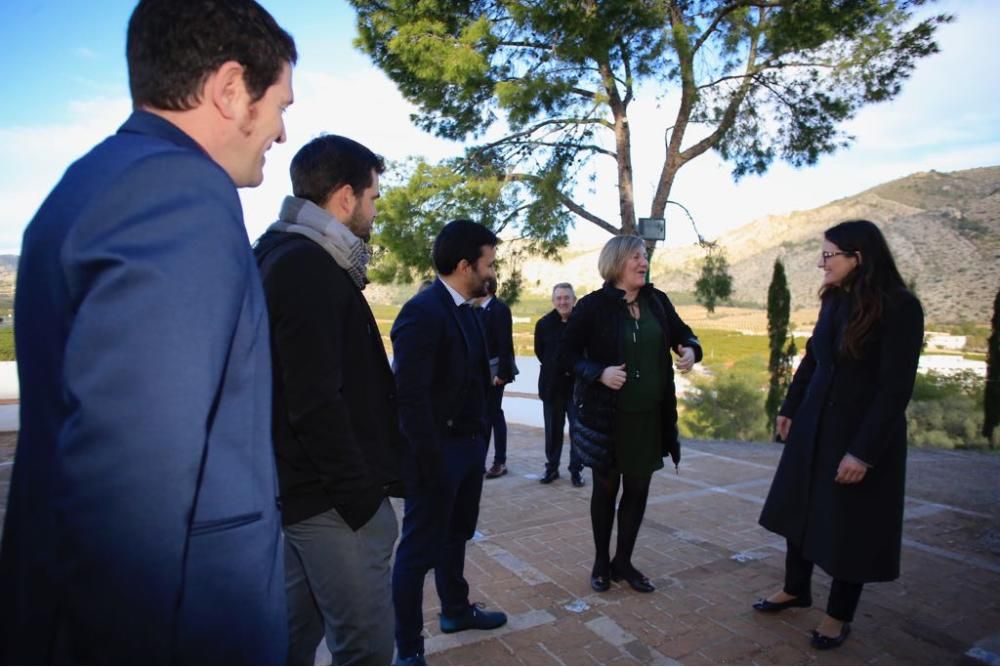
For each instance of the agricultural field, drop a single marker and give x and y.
(6, 343)
(730, 337)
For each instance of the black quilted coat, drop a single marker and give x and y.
(591, 342)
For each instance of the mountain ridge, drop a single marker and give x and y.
(943, 228)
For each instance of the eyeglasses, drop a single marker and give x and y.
(827, 255)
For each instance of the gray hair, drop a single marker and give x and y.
(615, 253)
(563, 286)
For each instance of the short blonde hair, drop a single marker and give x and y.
(615, 253)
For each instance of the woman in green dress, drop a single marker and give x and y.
(618, 342)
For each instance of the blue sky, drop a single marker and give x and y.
(65, 88)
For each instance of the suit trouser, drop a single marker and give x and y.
(498, 422)
(844, 595)
(338, 584)
(437, 522)
(555, 410)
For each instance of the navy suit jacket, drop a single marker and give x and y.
(142, 524)
(431, 358)
(499, 324)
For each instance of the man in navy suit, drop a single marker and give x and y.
(142, 525)
(442, 376)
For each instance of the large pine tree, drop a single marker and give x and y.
(541, 92)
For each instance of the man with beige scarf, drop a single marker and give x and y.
(335, 426)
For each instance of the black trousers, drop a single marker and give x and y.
(555, 410)
(498, 422)
(844, 595)
(438, 521)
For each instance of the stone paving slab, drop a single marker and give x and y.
(701, 546)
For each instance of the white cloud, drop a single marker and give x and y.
(363, 105)
(33, 158)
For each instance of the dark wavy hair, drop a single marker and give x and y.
(460, 239)
(871, 280)
(330, 161)
(173, 45)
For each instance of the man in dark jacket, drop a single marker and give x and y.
(555, 386)
(335, 428)
(442, 374)
(498, 324)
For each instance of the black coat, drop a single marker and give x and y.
(553, 382)
(591, 342)
(335, 428)
(498, 325)
(838, 405)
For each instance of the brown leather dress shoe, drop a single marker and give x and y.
(496, 470)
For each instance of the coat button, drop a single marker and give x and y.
(450, 423)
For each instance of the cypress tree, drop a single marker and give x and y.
(991, 400)
(779, 301)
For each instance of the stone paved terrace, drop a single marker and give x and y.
(701, 546)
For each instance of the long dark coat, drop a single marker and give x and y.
(838, 405)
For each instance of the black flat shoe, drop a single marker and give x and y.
(824, 643)
(769, 607)
(635, 579)
(600, 582)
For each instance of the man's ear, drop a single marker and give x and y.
(341, 201)
(226, 90)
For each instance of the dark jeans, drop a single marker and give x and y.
(498, 423)
(437, 522)
(844, 595)
(555, 410)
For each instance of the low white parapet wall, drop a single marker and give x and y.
(8, 381)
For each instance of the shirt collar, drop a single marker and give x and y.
(459, 299)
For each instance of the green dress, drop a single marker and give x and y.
(639, 420)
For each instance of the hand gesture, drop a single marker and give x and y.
(613, 377)
(685, 359)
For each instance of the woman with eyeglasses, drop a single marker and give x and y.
(837, 494)
(618, 342)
